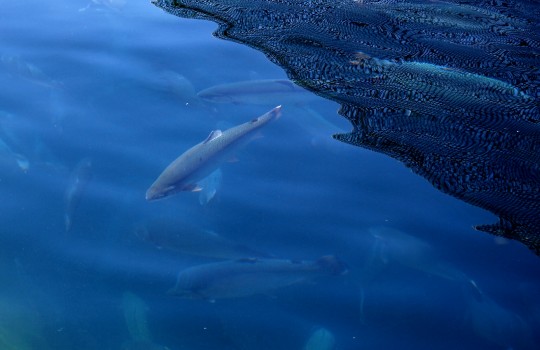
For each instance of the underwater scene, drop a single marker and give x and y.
(269, 174)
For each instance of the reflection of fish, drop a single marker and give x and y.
(244, 277)
(210, 186)
(321, 339)
(185, 173)
(79, 178)
(183, 238)
(257, 92)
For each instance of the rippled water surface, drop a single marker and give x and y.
(98, 97)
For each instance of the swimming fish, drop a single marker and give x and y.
(135, 314)
(497, 324)
(250, 276)
(257, 92)
(392, 245)
(187, 239)
(22, 162)
(79, 179)
(185, 173)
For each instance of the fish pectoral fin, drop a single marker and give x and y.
(193, 188)
(248, 260)
(214, 134)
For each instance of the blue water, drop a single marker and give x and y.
(113, 82)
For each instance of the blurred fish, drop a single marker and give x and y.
(77, 184)
(186, 172)
(28, 71)
(497, 324)
(186, 239)
(210, 185)
(135, 314)
(178, 85)
(392, 245)
(257, 92)
(321, 339)
(134, 310)
(245, 277)
(5, 151)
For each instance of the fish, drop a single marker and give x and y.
(80, 177)
(257, 92)
(497, 324)
(13, 157)
(321, 339)
(135, 314)
(183, 238)
(395, 246)
(114, 5)
(186, 171)
(250, 276)
(16, 66)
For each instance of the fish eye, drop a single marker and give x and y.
(254, 120)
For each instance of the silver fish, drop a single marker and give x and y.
(186, 171)
(79, 179)
(257, 92)
(186, 239)
(249, 276)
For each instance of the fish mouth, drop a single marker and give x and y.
(152, 195)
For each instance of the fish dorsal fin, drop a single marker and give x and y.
(214, 134)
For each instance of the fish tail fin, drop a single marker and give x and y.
(331, 265)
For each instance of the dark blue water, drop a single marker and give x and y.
(113, 83)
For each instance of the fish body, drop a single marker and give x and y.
(186, 171)
(245, 277)
(497, 325)
(394, 246)
(79, 179)
(135, 310)
(256, 92)
(186, 239)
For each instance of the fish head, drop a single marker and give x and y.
(155, 193)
